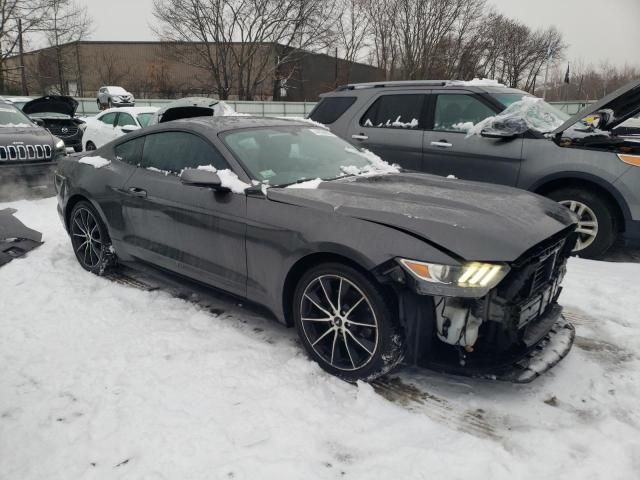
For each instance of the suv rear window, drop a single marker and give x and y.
(395, 111)
(331, 109)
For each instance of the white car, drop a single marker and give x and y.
(114, 97)
(114, 123)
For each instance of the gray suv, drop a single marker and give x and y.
(483, 131)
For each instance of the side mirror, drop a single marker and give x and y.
(202, 178)
(492, 133)
(38, 121)
(506, 129)
(129, 128)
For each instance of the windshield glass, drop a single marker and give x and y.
(144, 118)
(285, 155)
(12, 117)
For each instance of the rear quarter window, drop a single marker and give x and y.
(331, 109)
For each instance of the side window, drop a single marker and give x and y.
(395, 111)
(458, 113)
(125, 119)
(331, 109)
(108, 119)
(131, 151)
(175, 151)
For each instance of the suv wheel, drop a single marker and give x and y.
(345, 324)
(596, 223)
(90, 146)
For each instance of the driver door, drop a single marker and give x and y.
(190, 230)
(449, 151)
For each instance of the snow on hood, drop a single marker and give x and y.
(17, 125)
(228, 179)
(96, 162)
(529, 113)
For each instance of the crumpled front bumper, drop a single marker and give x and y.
(553, 347)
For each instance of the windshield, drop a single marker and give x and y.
(12, 117)
(144, 118)
(285, 155)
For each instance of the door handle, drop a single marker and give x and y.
(137, 192)
(360, 137)
(442, 144)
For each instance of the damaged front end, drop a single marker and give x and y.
(487, 320)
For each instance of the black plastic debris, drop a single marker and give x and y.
(15, 238)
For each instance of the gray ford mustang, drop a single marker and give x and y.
(373, 266)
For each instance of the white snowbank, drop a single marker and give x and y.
(528, 113)
(311, 184)
(102, 380)
(96, 161)
(228, 179)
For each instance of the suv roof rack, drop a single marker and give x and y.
(400, 83)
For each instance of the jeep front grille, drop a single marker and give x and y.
(25, 152)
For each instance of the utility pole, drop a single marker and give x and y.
(546, 73)
(25, 90)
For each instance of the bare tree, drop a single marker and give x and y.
(66, 21)
(237, 40)
(30, 13)
(352, 29)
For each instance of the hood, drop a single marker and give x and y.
(474, 221)
(619, 106)
(52, 103)
(25, 136)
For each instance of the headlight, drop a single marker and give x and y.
(630, 159)
(116, 98)
(60, 145)
(473, 279)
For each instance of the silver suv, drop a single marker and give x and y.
(483, 131)
(109, 97)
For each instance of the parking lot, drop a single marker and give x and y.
(124, 377)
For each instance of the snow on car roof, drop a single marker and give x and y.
(131, 110)
(114, 89)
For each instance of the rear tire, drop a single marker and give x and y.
(344, 322)
(90, 239)
(597, 229)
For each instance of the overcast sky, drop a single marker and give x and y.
(596, 30)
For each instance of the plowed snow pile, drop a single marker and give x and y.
(103, 380)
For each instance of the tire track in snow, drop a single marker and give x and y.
(414, 399)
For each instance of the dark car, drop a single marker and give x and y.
(371, 265)
(28, 152)
(424, 126)
(57, 114)
(190, 107)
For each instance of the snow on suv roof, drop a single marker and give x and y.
(116, 90)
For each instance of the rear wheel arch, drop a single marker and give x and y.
(304, 264)
(620, 209)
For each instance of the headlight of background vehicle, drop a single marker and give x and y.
(60, 148)
(473, 279)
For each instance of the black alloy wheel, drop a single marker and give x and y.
(345, 324)
(89, 238)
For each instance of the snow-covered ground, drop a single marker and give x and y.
(103, 380)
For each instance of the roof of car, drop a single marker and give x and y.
(478, 85)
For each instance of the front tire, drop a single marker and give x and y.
(344, 322)
(90, 146)
(90, 239)
(597, 229)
